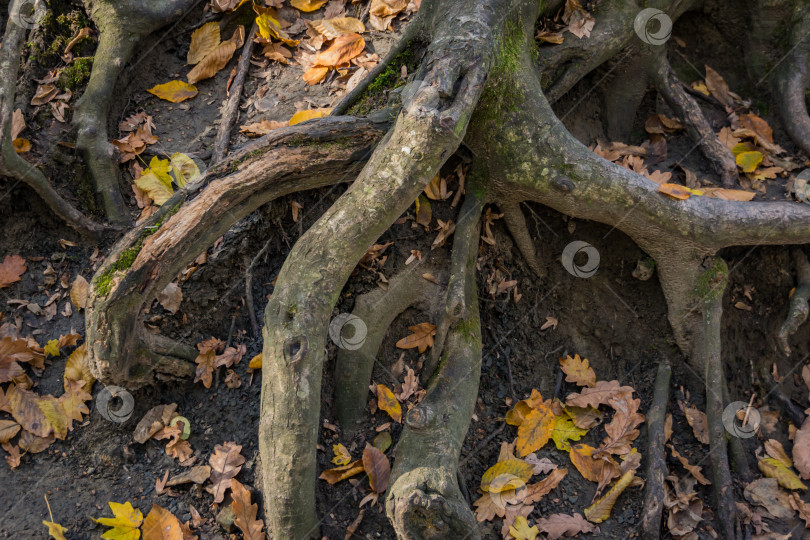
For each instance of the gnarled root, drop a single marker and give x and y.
(798, 310)
(11, 164)
(122, 24)
(376, 310)
(656, 457)
(792, 79)
(149, 257)
(424, 500)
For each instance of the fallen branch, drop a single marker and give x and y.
(654, 490)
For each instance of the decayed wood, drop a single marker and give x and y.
(654, 489)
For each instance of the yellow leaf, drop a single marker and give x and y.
(388, 402)
(678, 191)
(600, 510)
(307, 5)
(184, 169)
(157, 190)
(505, 475)
(333, 28)
(125, 523)
(21, 146)
(203, 41)
(342, 455)
(256, 362)
(41, 415)
(218, 58)
(56, 531)
(342, 50)
(564, 431)
(174, 91)
(333, 476)
(382, 441)
(535, 430)
(421, 339)
(77, 368)
(269, 27)
(774, 468)
(749, 161)
(52, 348)
(303, 116)
(520, 529)
(522, 408)
(578, 370)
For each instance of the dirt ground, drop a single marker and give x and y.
(618, 322)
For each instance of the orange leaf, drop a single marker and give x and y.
(245, 512)
(307, 5)
(303, 116)
(333, 476)
(577, 370)
(676, 191)
(315, 75)
(174, 91)
(535, 430)
(12, 267)
(341, 51)
(422, 337)
(160, 524)
(388, 402)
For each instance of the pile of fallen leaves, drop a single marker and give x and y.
(505, 488)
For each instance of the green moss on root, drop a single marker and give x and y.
(376, 94)
(711, 282)
(76, 74)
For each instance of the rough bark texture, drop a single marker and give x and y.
(656, 457)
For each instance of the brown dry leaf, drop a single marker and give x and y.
(160, 524)
(226, 462)
(549, 37)
(205, 368)
(757, 125)
(535, 431)
(696, 419)
(660, 124)
(8, 429)
(333, 476)
(41, 415)
(600, 470)
(198, 475)
(600, 394)
(230, 356)
(78, 292)
(245, 512)
(694, 470)
(44, 94)
(12, 267)
(342, 50)
(277, 52)
(203, 42)
(409, 386)
(535, 492)
(262, 127)
(232, 379)
(801, 507)
(677, 191)
(377, 468)
(17, 123)
(580, 22)
(12, 353)
(388, 402)
(176, 447)
(728, 194)
(307, 5)
(31, 444)
(559, 525)
(621, 431)
(174, 91)
(170, 297)
(801, 450)
(153, 421)
(339, 26)
(585, 417)
(218, 58)
(578, 370)
(445, 228)
(382, 12)
(14, 457)
(765, 492)
(718, 87)
(600, 510)
(72, 402)
(225, 6)
(551, 322)
(421, 339)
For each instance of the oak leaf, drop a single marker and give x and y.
(245, 512)
(535, 492)
(694, 470)
(578, 370)
(12, 267)
(72, 402)
(621, 431)
(697, 420)
(559, 525)
(226, 462)
(535, 430)
(12, 353)
(600, 394)
(421, 339)
(520, 529)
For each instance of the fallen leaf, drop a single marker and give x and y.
(11, 270)
(78, 292)
(307, 5)
(694, 470)
(728, 194)
(125, 525)
(388, 402)
(801, 507)
(718, 87)
(559, 525)
(333, 476)
(56, 531)
(677, 191)
(377, 468)
(263, 127)
(520, 529)
(8, 429)
(203, 42)
(382, 12)
(765, 492)
(41, 415)
(342, 455)
(339, 26)
(535, 430)
(585, 417)
(801, 449)
(535, 492)
(170, 297)
(577, 370)
(226, 462)
(303, 116)
(697, 420)
(217, 58)
(160, 524)
(174, 91)
(749, 161)
(774, 468)
(518, 413)
(342, 50)
(505, 475)
(245, 512)
(621, 431)
(198, 475)
(564, 431)
(153, 421)
(421, 339)
(540, 465)
(600, 510)
(601, 469)
(600, 394)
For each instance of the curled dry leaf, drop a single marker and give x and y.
(11, 270)
(382, 12)
(377, 468)
(696, 419)
(170, 297)
(153, 421)
(694, 470)
(333, 476)
(600, 510)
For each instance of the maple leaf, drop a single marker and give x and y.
(564, 431)
(578, 370)
(226, 462)
(388, 402)
(421, 339)
(125, 525)
(535, 430)
(600, 394)
(520, 529)
(56, 531)
(245, 512)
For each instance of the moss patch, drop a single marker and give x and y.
(712, 282)
(76, 74)
(376, 94)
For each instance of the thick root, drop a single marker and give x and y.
(122, 24)
(516, 223)
(798, 310)
(424, 500)
(654, 490)
(792, 79)
(149, 257)
(11, 164)
(376, 311)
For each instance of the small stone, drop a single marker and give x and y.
(225, 518)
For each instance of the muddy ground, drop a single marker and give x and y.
(616, 321)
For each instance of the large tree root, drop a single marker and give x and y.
(792, 79)
(122, 24)
(798, 310)
(376, 311)
(424, 501)
(149, 257)
(11, 164)
(656, 457)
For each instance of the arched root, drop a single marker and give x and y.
(798, 309)
(424, 500)
(149, 256)
(791, 80)
(377, 310)
(11, 164)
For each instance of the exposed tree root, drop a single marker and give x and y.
(798, 310)
(716, 275)
(792, 79)
(424, 500)
(654, 489)
(377, 310)
(11, 164)
(122, 24)
(516, 223)
(149, 257)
